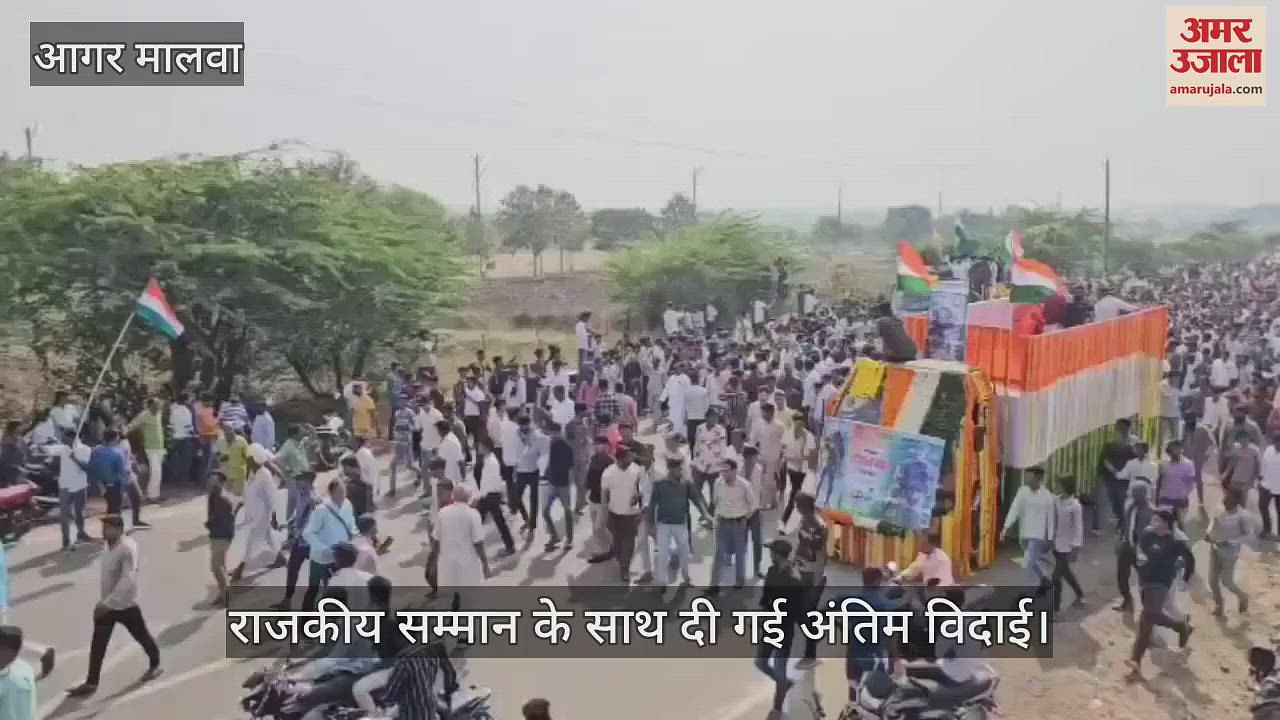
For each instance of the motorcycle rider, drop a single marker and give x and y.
(932, 565)
(390, 643)
(334, 676)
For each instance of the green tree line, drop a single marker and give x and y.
(310, 267)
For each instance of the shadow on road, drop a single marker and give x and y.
(46, 590)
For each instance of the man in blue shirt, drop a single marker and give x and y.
(107, 469)
(330, 523)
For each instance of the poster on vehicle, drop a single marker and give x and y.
(948, 320)
(879, 475)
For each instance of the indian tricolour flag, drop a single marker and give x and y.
(1013, 244)
(914, 277)
(1032, 282)
(154, 310)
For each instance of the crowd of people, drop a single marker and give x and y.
(737, 409)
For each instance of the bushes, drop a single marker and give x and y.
(727, 261)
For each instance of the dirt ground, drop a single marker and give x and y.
(1085, 677)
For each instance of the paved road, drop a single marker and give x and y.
(53, 593)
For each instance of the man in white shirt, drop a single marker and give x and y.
(1034, 511)
(735, 501)
(585, 348)
(674, 395)
(353, 580)
(1269, 486)
(559, 376)
(64, 413)
(368, 465)
(474, 400)
(562, 408)
(510, 433)
(696, 402)
(73, 484)
(182, 431)
(1111, 306)
(767, 435)
(798, 447)
(759, 310)
(931, 564)
(825, 395)
(261, 541)
(671, 320)
(118, 605)
(623, 498)
(450, 450)
(458, 553)
(365, 545)
(492, 488)
(429, 418)
(764, 396)
(1219, 373)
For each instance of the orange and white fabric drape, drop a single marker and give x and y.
(1056, 387)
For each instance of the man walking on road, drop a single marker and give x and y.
(119, 604)
(1157, 559)
(622, 497)
(1034, 511)
(330, 523)
(492, 491)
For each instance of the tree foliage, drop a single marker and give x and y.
(679, 212)
(535, 219)
(729, 260)
(1075, 243)
(311, 264)
(612, 227)
(912, 223)
(830, 229)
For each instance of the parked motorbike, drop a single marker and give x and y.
(326, 443)
(20, 508)
(41, 468)
(272, 689)
(925, 693)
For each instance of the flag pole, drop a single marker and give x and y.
(103, 372)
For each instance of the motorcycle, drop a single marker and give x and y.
(41, 468)
(20, 508)
(272, 690)
(925, 693)
(326, 443)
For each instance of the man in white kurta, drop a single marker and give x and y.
(674, 394)
(459, 536)
(259, 504)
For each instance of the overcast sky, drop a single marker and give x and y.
(991, 101)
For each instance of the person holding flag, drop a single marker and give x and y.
(1032, 286)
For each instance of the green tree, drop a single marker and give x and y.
(912, 223)
(729, 260)
(312, 265)
(678, 212)
(536, 219)
(612, 227)
(830, 229)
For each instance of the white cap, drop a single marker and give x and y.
(260, 455)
